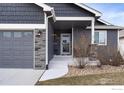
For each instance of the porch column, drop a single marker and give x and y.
(92, 30)
(46, 23)
(72, 41)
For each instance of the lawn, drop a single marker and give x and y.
(116, 78)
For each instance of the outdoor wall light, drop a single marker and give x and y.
(39, 33)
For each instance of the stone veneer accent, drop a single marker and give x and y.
(40, 49)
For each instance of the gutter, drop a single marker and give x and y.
(52, 15)
(47, 24)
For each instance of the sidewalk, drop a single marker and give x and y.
(58, 67)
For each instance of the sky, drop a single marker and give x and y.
(111, 12)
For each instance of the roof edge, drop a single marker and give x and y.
(44, 6)
(97, 13)
(106, 27)
(105, 22)
(47, 8)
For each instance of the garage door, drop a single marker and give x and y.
(16, 49)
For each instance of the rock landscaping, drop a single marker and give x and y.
(88, 70)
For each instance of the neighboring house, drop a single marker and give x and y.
(31, 34)
(121, 42)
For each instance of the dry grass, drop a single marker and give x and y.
(96, 79)
(106, 75)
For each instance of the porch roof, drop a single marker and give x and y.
(62, 25)
(106, 27)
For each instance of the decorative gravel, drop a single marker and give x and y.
(74, 71)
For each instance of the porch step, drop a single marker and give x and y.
(93, 63)
(60, 61)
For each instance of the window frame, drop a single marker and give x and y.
(105, 31)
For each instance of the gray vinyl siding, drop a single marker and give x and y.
(50, 41)
(27, 13)
(112, 45)
(69, 9)
(78, 33)
(112, 37)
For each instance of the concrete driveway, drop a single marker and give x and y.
(19, 76)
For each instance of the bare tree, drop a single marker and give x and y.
(81, 50)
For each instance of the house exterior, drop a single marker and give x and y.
(31, 34)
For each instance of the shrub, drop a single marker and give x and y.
(110, 56)
(116, 59)
(81, 50)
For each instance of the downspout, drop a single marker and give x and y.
(47, 44)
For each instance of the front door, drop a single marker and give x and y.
(65, 44)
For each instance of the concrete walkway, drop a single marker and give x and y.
(19, 76)
(58, 67)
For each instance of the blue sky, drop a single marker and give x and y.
(112, 12)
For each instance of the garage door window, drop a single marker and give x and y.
(0, 35)
(7, 34)
(27, 34)
(17, 34)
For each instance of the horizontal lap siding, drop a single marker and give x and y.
(105, 51)
(78, 33)
(112, 44)
(50, 41)
(69, 9)
(28, 13)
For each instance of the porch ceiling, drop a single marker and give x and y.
(68, 24)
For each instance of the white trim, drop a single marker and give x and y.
(72, 42)
(62, 53)
(97, 13)
(46, 22)
(48, 8)
(34, 49)
(105, 22)
(21, 26)
(92, 31)
(106, 27)
(44, 6)
(74, 18)
(105, 36)
(53, 14)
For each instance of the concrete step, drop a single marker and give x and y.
(93, 63)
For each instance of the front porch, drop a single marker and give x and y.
(64, 33)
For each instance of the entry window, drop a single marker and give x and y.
(100, 37)
(7, 34)
(17, 34)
